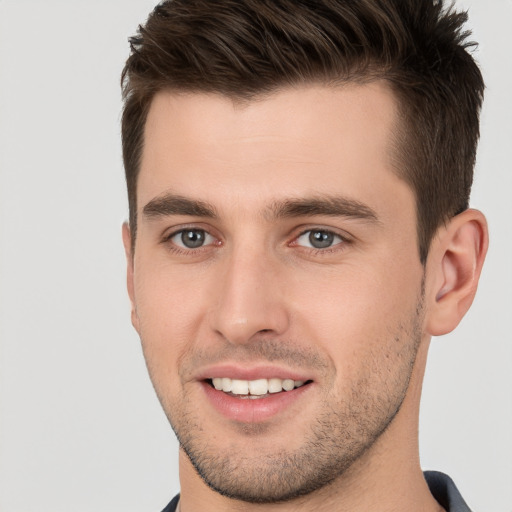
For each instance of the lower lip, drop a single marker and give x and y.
(252, 410)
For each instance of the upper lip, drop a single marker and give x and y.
(253, 372)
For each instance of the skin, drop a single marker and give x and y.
(355, 317)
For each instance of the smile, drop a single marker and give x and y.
(258, 388)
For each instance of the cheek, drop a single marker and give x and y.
(357, 315)
(169, 308)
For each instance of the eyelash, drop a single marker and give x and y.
(344, 240)
(183, 250)
(339, 246)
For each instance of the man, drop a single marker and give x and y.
(298, 176)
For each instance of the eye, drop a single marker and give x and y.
(319, 239)
(191, 238)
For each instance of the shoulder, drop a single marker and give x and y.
(171, 507)
(445, 492)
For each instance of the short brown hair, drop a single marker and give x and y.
(246, 48)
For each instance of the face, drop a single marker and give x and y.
(276, 282)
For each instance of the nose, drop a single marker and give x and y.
(250, 298)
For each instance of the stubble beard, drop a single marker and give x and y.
(341, 434)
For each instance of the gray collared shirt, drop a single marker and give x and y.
(445, 492)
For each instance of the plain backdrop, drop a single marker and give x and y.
(80, 427)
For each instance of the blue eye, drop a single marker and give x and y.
(191, 238)
(319, 239)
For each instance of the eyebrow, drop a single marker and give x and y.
(331, 206)
(172, 204)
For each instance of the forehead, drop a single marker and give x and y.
(297, 141)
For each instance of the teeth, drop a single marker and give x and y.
(275, 385)
(226, 385)
(257, 387)
(240, 387)
(288, 384)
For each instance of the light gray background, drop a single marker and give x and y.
(80, 427)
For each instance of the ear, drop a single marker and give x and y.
(458, 254)
(127, 242)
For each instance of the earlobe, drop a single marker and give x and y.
(127, 242)
(458, 255)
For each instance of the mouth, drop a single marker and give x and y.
(255, 389)
(256, 394)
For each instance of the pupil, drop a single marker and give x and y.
(321, 239)
(192, 238)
